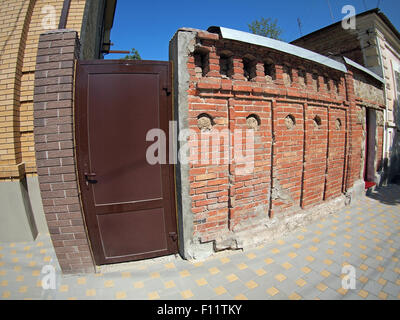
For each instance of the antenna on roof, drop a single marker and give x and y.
(330, 10)
(299, 24)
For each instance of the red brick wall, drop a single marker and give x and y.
(294, 167)
(54, 145)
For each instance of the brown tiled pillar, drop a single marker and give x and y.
(54, 145)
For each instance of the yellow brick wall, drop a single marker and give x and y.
(20, 27)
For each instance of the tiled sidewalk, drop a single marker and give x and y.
(306, 265)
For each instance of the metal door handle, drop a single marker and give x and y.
(89, 177)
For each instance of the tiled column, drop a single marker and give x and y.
(54, 145)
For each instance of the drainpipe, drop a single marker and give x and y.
(385, 116)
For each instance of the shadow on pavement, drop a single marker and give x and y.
(389, 194)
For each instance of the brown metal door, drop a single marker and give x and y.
(129, 204)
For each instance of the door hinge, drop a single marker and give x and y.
(173, 236)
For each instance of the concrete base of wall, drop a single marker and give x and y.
(36, 204)
(17, 222)
(266, 230)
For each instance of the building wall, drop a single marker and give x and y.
(308, 142)
(20, 27)
(373, 45)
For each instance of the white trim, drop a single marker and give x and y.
(237, 35)
(362, 68)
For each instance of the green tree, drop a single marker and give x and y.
(266, 28)
(134, 55)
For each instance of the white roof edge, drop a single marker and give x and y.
(362, 68)
(242, 36)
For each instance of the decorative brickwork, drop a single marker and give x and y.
(54, 145)
(307, 147)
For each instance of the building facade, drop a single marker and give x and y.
(375, 44)
(21, 23)
(316, 127)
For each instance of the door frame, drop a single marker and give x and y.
(81, 143)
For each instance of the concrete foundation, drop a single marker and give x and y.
(17, 222)
(36, 204)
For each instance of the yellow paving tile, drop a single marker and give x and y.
(90, 292)
(287, 265)
(280, 277)
(64, 288)
(260, 272)
(187, 294)
(310, 258)
(232, 277)
(347, 245)
(313, 248)
(292, 255)
(301, 282)
(125, 274)
(300, 237)
(251, 256)
(153, 295)
(81, 280)
(213, 270)
(4, 283)
(32, 263)
(380, 268)
(224, 260)
(138, 284)
(363, 294)
(242, 266)
(6, 294)
(316, 240)
(275, 251)
(184, 273)
(306, 269)
(297, 245)
(379, 258)
(342, 291)
(154, 275)
(2, 263)
(281, 242)
(109, 284)
(120, 295)
(251, 284)
(198, 264)
(15, 260)
(363, 267)
(220, 290)
(170, 265)
(39, 244)
(322, 287)
(17, 268)
(3, 272)
(347, 254)
(29, 255)
(241, 297)
(169, 284)
(20, 278)
(295, 296)
(201, 282)
(272, 291)
(328, 262)
(382, 281)
(325, 273)
(363, 279)
(382, 295)
(330, 251)
(332, 243)
(47, 259)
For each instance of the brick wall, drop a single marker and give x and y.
(20, 26)
(54, 145)
(307, 142)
